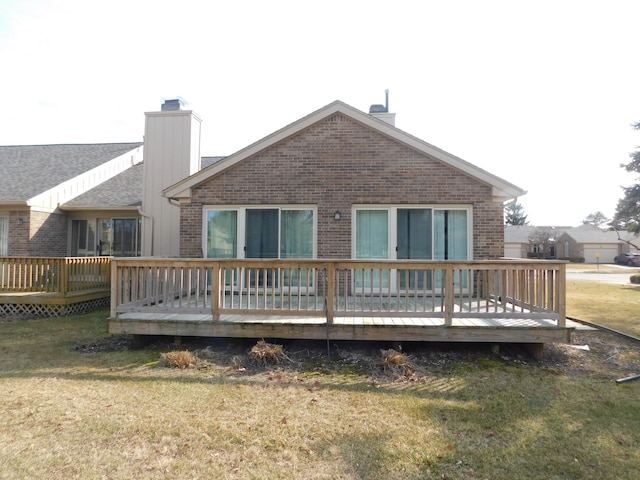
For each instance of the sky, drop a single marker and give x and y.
(540, 93)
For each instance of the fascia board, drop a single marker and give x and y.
(76, 208)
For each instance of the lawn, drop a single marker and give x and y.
(70, 410)
(612, 305)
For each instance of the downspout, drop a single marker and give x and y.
(150, 217)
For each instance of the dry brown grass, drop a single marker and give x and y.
(264, 354)
(68, 414)
(178, 359)
(394, 362)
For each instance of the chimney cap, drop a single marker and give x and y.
(173, 103)
(377, 109)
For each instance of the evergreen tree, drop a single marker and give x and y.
(627, 216)
(596, 219)
(514, 214)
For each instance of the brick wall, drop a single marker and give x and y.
(37, 234)
(337, 163)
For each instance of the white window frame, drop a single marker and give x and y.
(4, 235)
(241, 228)
(95, 223)
(242, 222)
(392, 232)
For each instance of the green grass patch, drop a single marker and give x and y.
(611, 305)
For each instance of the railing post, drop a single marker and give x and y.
(63, 284)
(562, 295)
(449, 295)
(215, 291)
(329, 294)
(115, 294)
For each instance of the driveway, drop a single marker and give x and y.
(621, 277)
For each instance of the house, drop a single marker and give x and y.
(586, 243)
(593, 244)
(339, 225)
(528, 241)
(341, 183)
(76, 200)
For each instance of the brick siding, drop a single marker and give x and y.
(335, 164)
(37, 234)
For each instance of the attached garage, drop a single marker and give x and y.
(606, 253)
(512, 250)
(591, 243)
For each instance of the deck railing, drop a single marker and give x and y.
(61, 275)
(518, 289)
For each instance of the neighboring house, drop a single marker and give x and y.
(527, 241)
(42, 180)
(593, 244)
(517, 243)
(585, 243)
(340, 183)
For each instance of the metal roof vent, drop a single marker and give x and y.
(381, 108)
(381, 112)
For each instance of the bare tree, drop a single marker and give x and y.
(542, 242)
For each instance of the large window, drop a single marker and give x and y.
(273, 232)
(276, 232)
(422, 233)
(119, 237)
(4, 236)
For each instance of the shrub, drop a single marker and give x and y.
(394, 362)
(263, 353)
(635, 279)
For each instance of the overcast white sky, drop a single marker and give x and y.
(540, 93)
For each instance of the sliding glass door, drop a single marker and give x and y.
(296, 242)
(417, 233)
(415, 242)
(372, 243)
(277, 232)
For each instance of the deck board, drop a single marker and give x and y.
(503, 330)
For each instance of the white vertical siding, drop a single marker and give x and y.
(171, 153)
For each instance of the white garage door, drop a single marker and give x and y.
(607, 253)
(512, 251)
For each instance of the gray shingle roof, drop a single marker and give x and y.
(33, 169)
(123, 190)
(592, 234)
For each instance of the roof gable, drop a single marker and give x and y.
(502, 190)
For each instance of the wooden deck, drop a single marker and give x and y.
(482, 301)
(53, 286)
